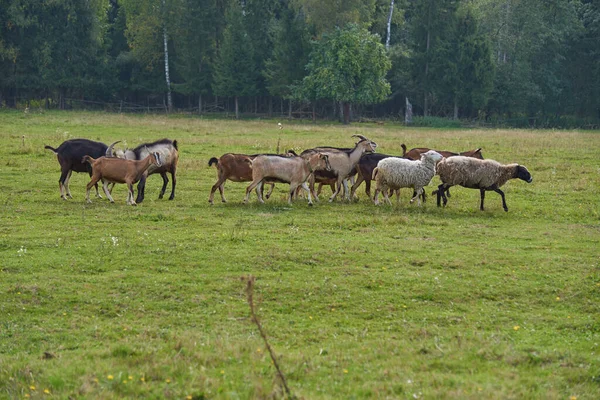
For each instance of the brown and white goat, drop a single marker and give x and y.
(169, 155)
(293, 170)
(236, 168)
(118, 170)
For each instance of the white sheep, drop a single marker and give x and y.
(477, 174)
(396, 173)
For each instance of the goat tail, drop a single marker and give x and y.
(50, 148)
(212, 161)
(87, 159)
(374, 175)
(175, 145)
(403, 149)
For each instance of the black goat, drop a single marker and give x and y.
(169, 153)
(70, 154)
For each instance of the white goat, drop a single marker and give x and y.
(293, 170)
(117, 170)
(396, 173)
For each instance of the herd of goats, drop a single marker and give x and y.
(331, 166)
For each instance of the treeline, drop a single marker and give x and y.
(485, 60)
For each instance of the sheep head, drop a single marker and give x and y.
(432, 155)
(523, 174)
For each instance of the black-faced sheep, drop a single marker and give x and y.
(477, 174)
(397, 173)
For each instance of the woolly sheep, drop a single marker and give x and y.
(396, 173)
(477, 174)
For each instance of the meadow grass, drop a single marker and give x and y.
(110, 301)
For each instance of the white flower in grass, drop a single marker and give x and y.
(22, 251)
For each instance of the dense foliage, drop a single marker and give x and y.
(527, 61)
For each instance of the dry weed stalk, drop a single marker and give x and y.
(249, 294)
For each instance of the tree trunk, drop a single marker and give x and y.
(237, 109)
(290, 109)
(346, 113)
(200, 104)
(314, 112)
(455, 108)
(270, 106)
(425, 83)
(167, 77)
(389, 25)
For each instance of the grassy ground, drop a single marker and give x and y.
(109, 301)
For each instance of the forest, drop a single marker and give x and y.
(499, 62)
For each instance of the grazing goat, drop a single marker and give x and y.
(169, 152)
(478, 174)
(70, 154)
(117, 170)
(293, 170)
(396, 173)
(236, 168)
(343, 163)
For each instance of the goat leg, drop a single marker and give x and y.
(165, 179)
(106, 191)
(174, 182)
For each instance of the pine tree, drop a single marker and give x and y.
(235, 70)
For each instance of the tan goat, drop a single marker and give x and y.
(117, 170)
(293, 170)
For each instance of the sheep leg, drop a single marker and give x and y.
(165, 179)
(441, 195)
(107, 192)
(376, 197)
(482, 194)
(174, 183)
(386, 196)
(501, 193)
(417, 195)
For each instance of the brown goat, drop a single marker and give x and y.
(415, 153)
(117, 170)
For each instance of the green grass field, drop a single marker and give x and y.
(107, 301)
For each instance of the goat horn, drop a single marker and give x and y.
(109, 151)
(361, 137)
